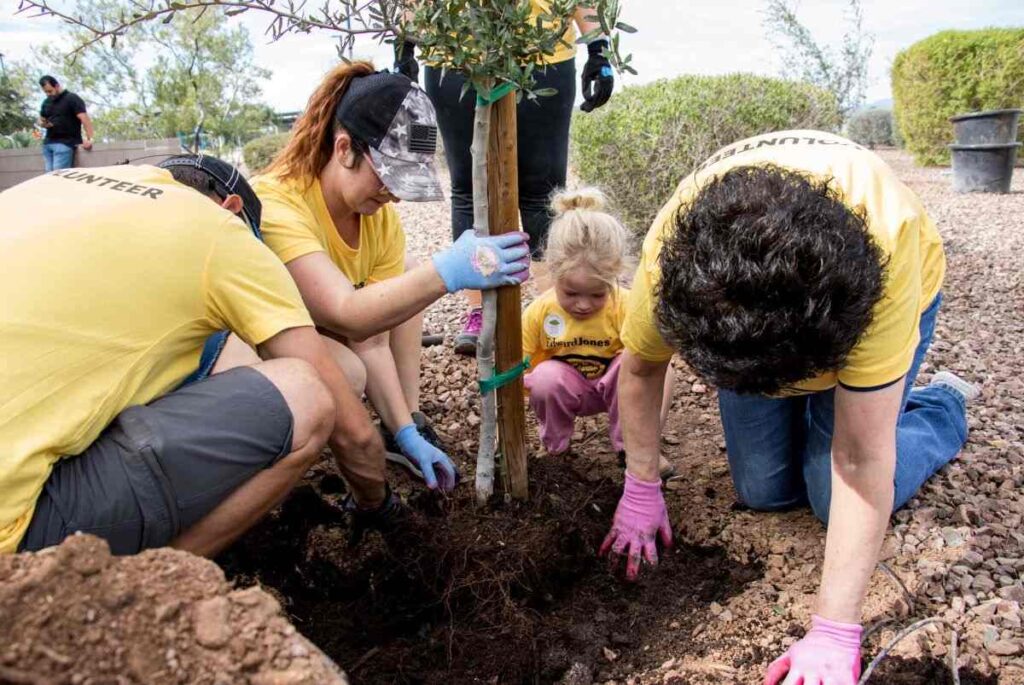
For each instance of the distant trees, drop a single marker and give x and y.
(203, 72)
(843, 71)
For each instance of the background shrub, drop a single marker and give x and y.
(951, 73)
(648, 138)
(871, 127)
(260, 152)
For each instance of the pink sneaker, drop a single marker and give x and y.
(465, 342)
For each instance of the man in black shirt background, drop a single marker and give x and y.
(62, 115)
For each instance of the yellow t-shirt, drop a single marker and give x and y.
(562, 52)
(113, 277)
(296, 222)
(590, 345)
(896, 220)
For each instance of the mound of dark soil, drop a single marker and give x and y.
(512, 594)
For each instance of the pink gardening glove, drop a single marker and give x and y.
(640, 515)
(829, 654)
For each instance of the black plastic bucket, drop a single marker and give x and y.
(994, 127)
(983, 168)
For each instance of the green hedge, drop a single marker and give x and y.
(871, 128)
(258, 153)
(648, 138)
(951, 73)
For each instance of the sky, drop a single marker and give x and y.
(674, 37)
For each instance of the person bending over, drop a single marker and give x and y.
(112, 293)
(796, 273)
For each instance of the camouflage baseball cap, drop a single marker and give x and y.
(397, 120)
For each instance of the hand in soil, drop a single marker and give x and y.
(385, 518)
(427, 458)
(640, 516)
(828, 655)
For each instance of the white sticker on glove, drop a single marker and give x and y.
(485, 261)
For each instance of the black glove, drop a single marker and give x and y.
(597, 81)
(386, 518)
(405, 60)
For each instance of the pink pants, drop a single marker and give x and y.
(559, 393)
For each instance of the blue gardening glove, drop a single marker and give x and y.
(476, 262)
(426, 456)
(597, 80)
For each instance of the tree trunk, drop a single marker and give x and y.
(485, 343)
(503, 193)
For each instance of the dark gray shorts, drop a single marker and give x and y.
(158, 469)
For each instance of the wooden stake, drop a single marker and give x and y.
(503, 196)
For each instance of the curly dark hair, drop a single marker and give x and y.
(767, 280)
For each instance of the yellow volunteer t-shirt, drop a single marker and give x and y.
(296, 223)
(589, 346)
(113, 278)
(896, 220)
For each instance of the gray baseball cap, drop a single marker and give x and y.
(398, 121)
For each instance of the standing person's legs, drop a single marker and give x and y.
(47, 157)
(543, 144)
(63, 156)
(557, 393)
(194, 468)
(455, 120)
(931, 431)
(764, 441)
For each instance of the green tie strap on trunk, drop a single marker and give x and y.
(497, 93)
(504, 378)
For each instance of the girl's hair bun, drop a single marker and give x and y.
(590, 199)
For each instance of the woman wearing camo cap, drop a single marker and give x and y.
(365, 141)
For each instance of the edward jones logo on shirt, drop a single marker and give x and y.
(554, 325)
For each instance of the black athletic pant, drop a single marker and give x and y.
(543, 126)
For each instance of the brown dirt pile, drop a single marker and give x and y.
(74, 614)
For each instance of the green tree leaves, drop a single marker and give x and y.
(204, 72)
(17, 107)
(844, 74)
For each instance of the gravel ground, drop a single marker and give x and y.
(958, 547)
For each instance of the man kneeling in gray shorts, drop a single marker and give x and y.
(114, 279)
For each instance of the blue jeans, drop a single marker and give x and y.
(780, 449)
(58, 156)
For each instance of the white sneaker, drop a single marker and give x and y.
(969, 391)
